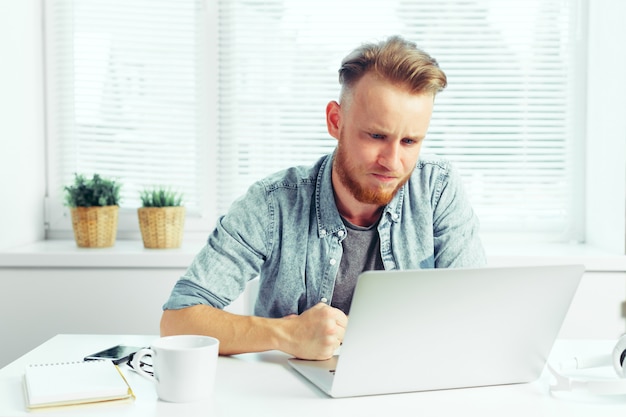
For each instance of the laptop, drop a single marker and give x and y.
(433, 329)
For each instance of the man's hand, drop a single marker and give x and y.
(316, 333)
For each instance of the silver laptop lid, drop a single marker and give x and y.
(451, 328)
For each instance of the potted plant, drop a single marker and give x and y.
(94, 206)
(161, 218)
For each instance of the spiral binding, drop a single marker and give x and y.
(41, 365)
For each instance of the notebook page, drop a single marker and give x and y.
(74, 383)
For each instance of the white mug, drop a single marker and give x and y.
(184, 367)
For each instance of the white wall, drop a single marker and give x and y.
(38, 303)
(22, 178)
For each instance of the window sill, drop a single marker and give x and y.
(124, 254)
(594, 259)
(132, 254)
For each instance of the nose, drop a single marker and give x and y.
(389, 156)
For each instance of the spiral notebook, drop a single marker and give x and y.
(72, 383)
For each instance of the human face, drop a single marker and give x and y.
(380, 128)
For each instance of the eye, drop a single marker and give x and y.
(410, 141)
(377, 136)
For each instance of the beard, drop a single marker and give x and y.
(349, 173)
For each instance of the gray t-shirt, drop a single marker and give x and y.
(361, 252)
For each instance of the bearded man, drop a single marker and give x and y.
(308, 232)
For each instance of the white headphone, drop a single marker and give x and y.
(595, 386)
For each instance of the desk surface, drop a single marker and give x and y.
(264, 385)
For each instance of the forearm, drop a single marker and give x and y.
(236, 333)
(315, 334)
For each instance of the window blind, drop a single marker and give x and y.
(134, 87)
(507, 119)
(126, 83)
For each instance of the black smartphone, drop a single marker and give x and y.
(118, 354)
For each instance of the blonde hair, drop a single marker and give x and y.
(396, 60)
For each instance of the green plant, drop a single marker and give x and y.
(96, 191)
(160, 197)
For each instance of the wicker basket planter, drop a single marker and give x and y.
(95, 227)
(161, 227)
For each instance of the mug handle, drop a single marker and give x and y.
(136, 363)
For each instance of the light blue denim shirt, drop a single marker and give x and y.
(286, 229)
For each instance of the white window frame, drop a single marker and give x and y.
(60, 226)
(604, 161)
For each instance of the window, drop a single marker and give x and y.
(127, 98)
(240, 88)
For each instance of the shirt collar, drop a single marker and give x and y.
(328, 218)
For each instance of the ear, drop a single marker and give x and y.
(333, 116)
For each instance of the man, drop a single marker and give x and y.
(309, 231)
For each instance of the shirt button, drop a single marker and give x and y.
(324, 300)
(340, 233)
(322, 232)
(333, 261)
(395, 216)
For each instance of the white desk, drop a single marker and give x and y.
(258, 385)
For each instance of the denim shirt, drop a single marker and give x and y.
(287, 230)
